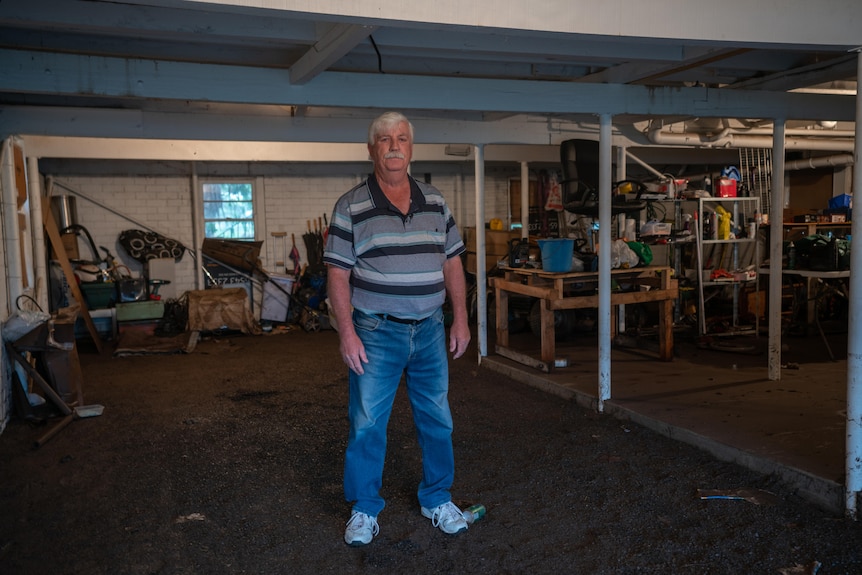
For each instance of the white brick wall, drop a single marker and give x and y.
(162, 203)
(289, 203)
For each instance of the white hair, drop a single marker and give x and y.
(385, 121)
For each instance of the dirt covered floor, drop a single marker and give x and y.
(229, 460)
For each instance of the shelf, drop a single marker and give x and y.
(727, 283)
(793, 230)
(732, 241)
(741, 211)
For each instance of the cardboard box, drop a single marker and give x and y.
(496, 241)
(490, 262)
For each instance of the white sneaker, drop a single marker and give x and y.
(447, 517)
(361, 529)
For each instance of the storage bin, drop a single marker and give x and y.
(275, 301)
(557, 254)
(99, 295)
(842, 201)
(105, 322)
(140, 310)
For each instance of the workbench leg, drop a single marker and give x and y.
(665, 322)
(501, 297)
(549, 343)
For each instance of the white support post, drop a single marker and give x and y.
(481, 277)
(198, 226)
(605, 224)
(853, 468)
(525, 200)
(776, 241)
(621, 228)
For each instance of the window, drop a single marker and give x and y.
(229, 210)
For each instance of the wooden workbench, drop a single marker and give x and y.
(574, 290)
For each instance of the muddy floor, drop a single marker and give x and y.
(229, 460)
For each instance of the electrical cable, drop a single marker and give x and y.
(379, 57)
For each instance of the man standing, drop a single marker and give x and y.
(393, 257)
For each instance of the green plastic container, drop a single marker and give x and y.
(99, 295)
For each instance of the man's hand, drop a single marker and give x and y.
(353, 352)
(351, 348)
(459, 338)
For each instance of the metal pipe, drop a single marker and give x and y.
(728, 139)
(643, 164)
(820, 162)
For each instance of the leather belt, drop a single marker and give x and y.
(387, 317)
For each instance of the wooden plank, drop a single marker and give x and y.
(522, 358)
(502, 303)
(665, 318)
(60, 252)
(549, 337)
(539, 292)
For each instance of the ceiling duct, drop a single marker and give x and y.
(732, 138)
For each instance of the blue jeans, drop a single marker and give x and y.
(393, 349)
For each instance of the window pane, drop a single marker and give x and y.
(228, 210)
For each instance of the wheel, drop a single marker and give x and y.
(563, 321)
(311, 322)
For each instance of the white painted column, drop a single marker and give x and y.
(605, 223)
(37, 234)
(11, 231)
(853, 475)
(197, 227)
(776, 241)
(525, 200)
(481, 276)
(621, 227)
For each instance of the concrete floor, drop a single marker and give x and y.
(716, 395)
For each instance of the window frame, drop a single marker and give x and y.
(252, 219)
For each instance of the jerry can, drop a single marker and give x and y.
(519, 252)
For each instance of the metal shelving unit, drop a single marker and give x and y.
(741, 210)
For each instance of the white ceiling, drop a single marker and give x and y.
(490, 72)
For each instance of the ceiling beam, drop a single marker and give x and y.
(811, 75)
(73, 75)
(44, 147)
(334, 44)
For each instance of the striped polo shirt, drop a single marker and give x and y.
(396, 259)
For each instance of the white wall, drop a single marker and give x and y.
(289, 201)
(162, 203)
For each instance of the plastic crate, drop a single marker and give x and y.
(99, 295)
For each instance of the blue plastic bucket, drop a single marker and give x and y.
(557, 254)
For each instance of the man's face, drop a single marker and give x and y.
(393, 149)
